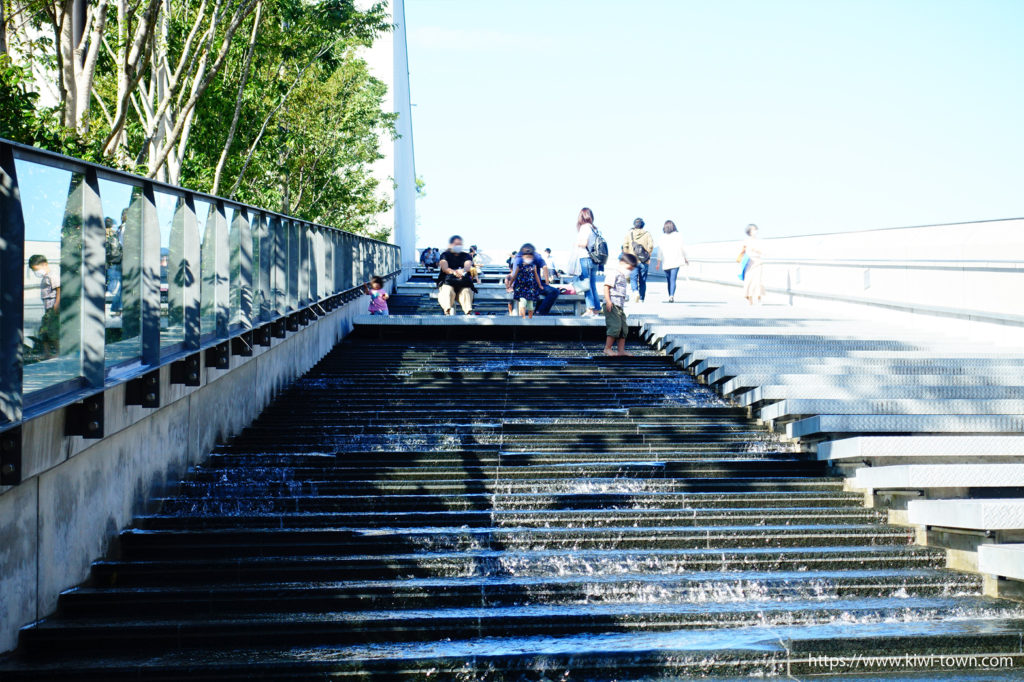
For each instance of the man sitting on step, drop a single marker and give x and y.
(455, 279)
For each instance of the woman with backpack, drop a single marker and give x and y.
(640, 243)
(591, 252)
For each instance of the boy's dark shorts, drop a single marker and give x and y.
(615, 322)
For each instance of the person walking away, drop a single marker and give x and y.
(115, 257)
(639, 243)
(525, 281)
(552, 270)
(588, 245)
(616, 283)
(671, 256)
(378, 297)
(753, 275)
(454, 279)
(48, 336)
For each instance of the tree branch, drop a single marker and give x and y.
(199, 87)
(246, 68)
(266, 121)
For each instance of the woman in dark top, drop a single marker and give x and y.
(454, 279)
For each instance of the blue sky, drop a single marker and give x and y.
(802, 116)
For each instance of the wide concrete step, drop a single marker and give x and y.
(746, 382)
(238, 458)
(500, 486)
(461, 592)
(305, 498)
(208, 543)
(915, 476)
(561, 563)
(827, 424)
(727, 654)
(468, 469)
(962, 395)
(797, 408)
(237, 514)
(922, 447)
(277, 628)
(980, 514)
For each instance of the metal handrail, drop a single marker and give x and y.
(296, 289)
(30, 151)
(975, 265)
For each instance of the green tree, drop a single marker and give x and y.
(264, 100)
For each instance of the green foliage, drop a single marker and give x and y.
(18, 114)
(309, 124)
(23, 120)
(311, 118)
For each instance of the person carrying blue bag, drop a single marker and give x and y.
(751, 266)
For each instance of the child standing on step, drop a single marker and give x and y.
(616, 288)
(524, 281)
(378, 297)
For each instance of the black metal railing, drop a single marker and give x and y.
(105, 276)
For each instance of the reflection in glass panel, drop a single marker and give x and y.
(175, 273)
(240, 248)
(51, 201)
(122, 208)
(206, 221)
(278, 235)
(259, 283)
(315, 264)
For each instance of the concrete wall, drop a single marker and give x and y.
(964, 269)
(77, 494)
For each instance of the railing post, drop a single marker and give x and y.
(12, 287)
(261, 268)
(219, 281)
(150, 277)
(315, 261)
(304, 244)
(279, 264)
(327, 239)
(294, 258)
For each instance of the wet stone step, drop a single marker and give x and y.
(289, 498)
(285, 461)
(562, 563)
(516, 591)
(479, 485)
(470, 470)
(210, 543)
(333, 628)
(729, 655)
(233, 514)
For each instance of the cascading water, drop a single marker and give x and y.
(495, 510)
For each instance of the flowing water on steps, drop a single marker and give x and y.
(488, 510)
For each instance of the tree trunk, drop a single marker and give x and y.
(3, 28)
(246, 69)
(282, 177)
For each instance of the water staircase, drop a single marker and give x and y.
(416, 508)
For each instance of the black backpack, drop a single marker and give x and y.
(641, 253)
(598, 249)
